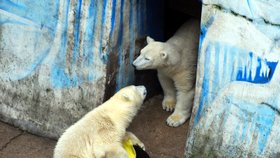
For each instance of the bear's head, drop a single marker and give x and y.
(131, 96)
(156, 55)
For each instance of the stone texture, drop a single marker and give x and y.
(60, 59)
(236, 108)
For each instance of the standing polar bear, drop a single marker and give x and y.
(175, 61)
(101, 132)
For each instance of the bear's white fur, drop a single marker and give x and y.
(100, 133)
(175, 61)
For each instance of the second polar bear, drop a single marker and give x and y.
(175, 61)
(101, 132)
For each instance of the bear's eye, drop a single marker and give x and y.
(146, 58)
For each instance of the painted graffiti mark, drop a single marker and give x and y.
(120, 80)
(81, 56)
(239, 96)
(27, 9)
(36, 33)
(231, 71)
(102, 54)
(257, 75)
(203, 29)
(113, 17)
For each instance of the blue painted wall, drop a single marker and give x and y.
(236, 109)
(61, 58)
(82, 26)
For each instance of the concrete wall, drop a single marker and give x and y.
(59, 59)
(236, 109)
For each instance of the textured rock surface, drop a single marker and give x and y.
(60, 59)
(236, 110)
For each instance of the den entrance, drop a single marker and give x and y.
(162, 141)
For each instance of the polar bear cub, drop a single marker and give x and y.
(175, 61)
(100, 133)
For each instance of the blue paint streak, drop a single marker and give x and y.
(203, 29)
(244, 131)
(225, 65)
(95, 11)
(250, 8)
(103, 55)
(89, 35)
(231, 73)
(113, 17)
(203, 32)
(120, 82)
(261, 117)
(216, 68)
(130, 76)
(203, 100)
(88, 57)
(62, 80)
(59, 78)
(76, 32)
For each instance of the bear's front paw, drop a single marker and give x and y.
(168, 104)
(177, 119)
(136, 141)
(140, 144)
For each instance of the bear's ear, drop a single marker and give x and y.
(149, 39)
(125, 97)
(163, 55)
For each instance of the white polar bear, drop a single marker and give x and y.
(100, 133)
(175, 61)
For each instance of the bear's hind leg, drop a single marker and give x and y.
(169, 100)
(182, 110)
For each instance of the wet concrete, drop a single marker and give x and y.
(149, 125)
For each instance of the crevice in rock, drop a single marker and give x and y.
(243, 16)
(11, 140)
(272, 107)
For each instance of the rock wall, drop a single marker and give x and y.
(236, 109)
(59, 59)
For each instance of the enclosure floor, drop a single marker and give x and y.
(15, 143)
(160, 140)
(150, 127)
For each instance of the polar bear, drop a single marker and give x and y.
(175, 61)
(100, 133)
